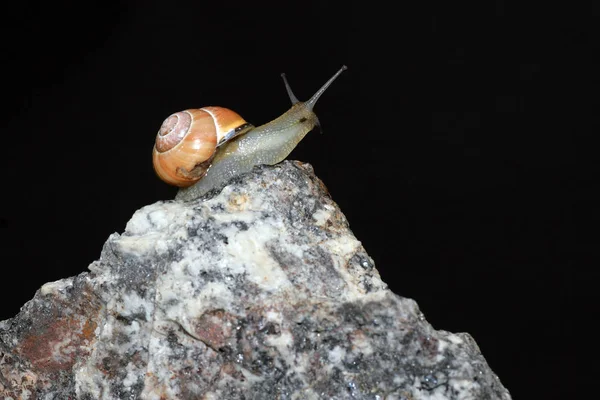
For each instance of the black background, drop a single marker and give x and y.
(458, 144)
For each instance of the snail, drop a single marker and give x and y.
(198, 149)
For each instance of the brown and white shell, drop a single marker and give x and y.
(187, 141)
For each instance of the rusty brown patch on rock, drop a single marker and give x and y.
(215, 328)
(63, 334)
(429, 345)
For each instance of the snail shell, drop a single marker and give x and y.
(187, 141)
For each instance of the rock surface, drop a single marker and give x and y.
(261, 292)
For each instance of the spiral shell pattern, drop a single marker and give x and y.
(186, 143)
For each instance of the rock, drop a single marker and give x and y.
(261, 292)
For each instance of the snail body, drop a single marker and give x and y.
(198, 166)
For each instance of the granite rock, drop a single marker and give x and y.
(258, 292)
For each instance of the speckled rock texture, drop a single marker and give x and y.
(259, 292)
